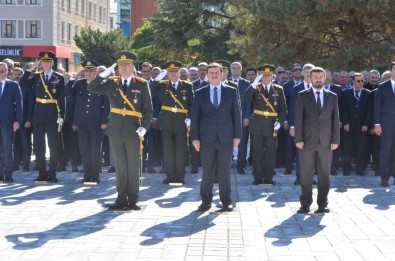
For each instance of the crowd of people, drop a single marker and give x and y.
(134, 117)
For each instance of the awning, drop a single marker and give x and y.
(32, 51)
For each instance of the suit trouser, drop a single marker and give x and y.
(280, 148)
(289, 151)
(213, 154)
(90, 146)
(319, 158)
(195, 156)
(174, 153)
(21, 146)
(6, 154)
(54, 144)
(127, 163)
(354, 143)
(242, 149)
(387, 152)
(375, 150)
(264, 156)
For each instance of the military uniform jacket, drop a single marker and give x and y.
(261, 124)
(168, 120)
(137, 93)
(90, 109)
(45, 112)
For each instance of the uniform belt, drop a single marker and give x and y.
(266, 113)
(174, 109)
(124, 112)
(46, 100)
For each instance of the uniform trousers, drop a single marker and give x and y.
(6, 151)
(174, 153)
(264, 156)
(89, 140)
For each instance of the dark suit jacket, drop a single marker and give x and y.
(27, 104)
(90, 109)
(338, 90)
(288, 87)
(291, 111)
(242, 86)
(356, 113)
(10, 104)
(209, 124)
(384, 106)
(196, 84)
(314, 128)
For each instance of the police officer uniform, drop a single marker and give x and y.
(131, 108)
(176, 102)
(268, 109)
(90, 113)
(47, 115)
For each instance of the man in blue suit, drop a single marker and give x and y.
(242, 85)
(215, 131)
(384, 124)
(10, 121)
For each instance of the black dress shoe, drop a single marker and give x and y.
(151, 170)
(61, 168)
(257, 182)
(97, 180)
(111, 169)
(74, 169)
(1, 178)
(321, 210)
(297, 182)
(194, 170)
(26, 168)
(204, 207)
(270, 182)
(53, 179)
(303, 210)
(119, 206)
(288, 172)
(360, 173)
(346, 173)
(241, 171)
(134, 206)
(333, 173)
(16, 168)
(227, 208)
(42, 177)
(167, 181)
(8, 180)
(384, 182)
(178, 181)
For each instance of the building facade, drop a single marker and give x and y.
(30, 26)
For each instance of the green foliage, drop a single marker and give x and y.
(100, 46)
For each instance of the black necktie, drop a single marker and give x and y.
(174, 86)
(357, 95)
(266, 91)
(215, 98)
(46, 78)
(319, 106)
(125, 85)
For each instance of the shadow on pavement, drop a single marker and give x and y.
(183, 227)
(296, 226)
(64, 231)
(382, 198)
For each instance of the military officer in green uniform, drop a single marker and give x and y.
(130, 117)
(269, 111)
(176, 98)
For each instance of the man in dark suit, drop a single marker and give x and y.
(131, 112)
(242, 85)
(384, 124)
(202, 80)
(48, 114)
(10, 121)
(90, 120)
(290, 148)
(176, 98)
(215, 131)
(355, 115)
(304, 85)
(317, 134)
(269, 112)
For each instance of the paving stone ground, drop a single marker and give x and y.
(68, 221)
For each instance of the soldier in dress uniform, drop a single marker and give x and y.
(90, 120)
(48, 113)
(176, 98)
(269, 111)
(129, 119)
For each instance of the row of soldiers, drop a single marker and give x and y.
(264, 116)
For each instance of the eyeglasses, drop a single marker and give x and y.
(280, 72)
(297, 69)
(359, 80)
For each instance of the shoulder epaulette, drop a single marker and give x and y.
(58, 73)
(277, 86)
(37, 72)
(141, 79)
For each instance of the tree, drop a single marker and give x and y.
(337, 34)
(100, 46)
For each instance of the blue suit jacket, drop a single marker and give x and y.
(27, 104)
(291, 112)
(209, 124)
(10, 104)
(288, 87)
(242, 86)
(384, 106)
(196, 84)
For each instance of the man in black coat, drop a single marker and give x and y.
(215, 131)
(317, 134)
(355, 115)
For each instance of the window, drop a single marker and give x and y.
(94, 12)
(68, 32)
(32, 2)
(8, 28)
(69, 5)
(82, 7)
(90, 10)
(76, 28)
(111, 22)
(62, 31)
(33, 29)
(76, 6)
(104, 15)
(100, 14)
(8, 2)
